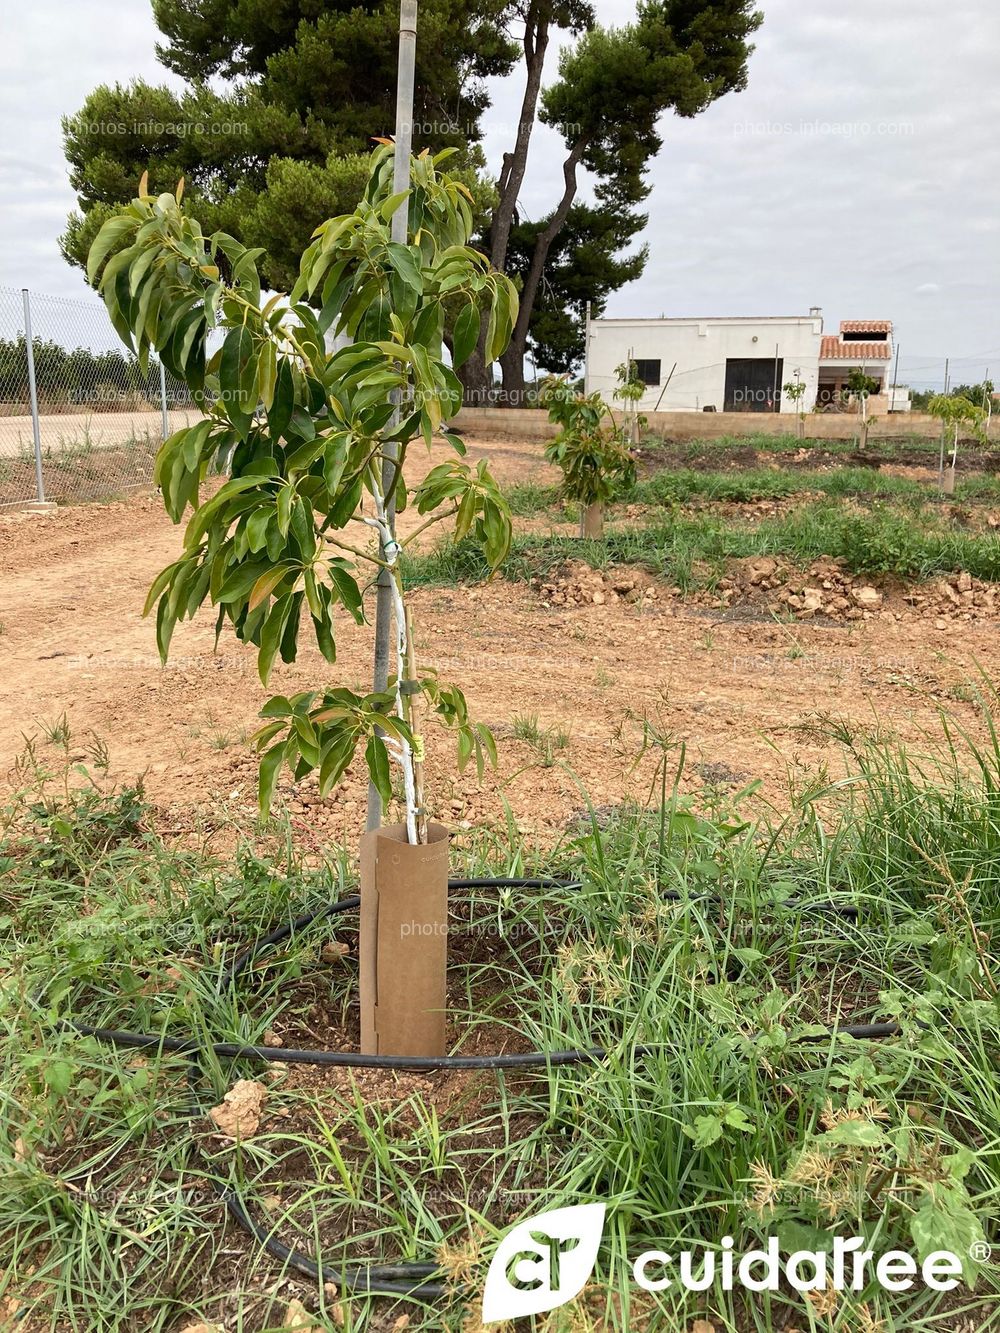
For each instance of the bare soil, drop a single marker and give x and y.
(890, 455)
(587, 660)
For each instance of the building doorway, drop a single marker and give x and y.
(753, 384)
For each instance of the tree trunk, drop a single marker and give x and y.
(536, 39)
(476, 378)
(512, 361)
(475, 375)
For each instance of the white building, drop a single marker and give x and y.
(739, 364)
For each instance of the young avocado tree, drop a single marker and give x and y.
(630, 390)
(861, 387)
(593, 457)
(297, 533)
(794, 390)
(956, 412)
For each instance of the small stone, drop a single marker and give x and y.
(598, 598)
(867, 597)
(298, 1317)
(238, 1114)
(761, 568)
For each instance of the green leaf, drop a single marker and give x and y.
(390, 205)
(270, 767)
(707, 1130)
(347, 590)
(945, 1221)
(266, 584)
(256, 528)
(58, 1076)
(286, 498)
(307, 739)
(240, 579)
(161, 581)
(337, 754)
(466, 747)
(267, 374)
(165, 622)
(466, 335)
(238, 376)
(736, 1118)
(283, 403)
(405, 260)
(105, 240)
(271, 635)
(855, 1134)
(377, 758)
(277, 706)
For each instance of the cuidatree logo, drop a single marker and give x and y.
(543, 1262)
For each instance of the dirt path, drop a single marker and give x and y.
(732, 688)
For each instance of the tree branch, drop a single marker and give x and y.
(540, 254)
(434, 518)
(536, 39)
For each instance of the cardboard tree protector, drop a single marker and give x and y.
(404, 942)
(293, 539)
(592, 521)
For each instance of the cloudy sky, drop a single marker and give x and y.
(860, 171)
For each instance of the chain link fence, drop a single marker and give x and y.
(79, 419)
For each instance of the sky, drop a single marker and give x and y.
(859, 171)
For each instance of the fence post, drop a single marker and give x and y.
(164, 421)
(33, 395)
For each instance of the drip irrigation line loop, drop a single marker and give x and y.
(415, 1281)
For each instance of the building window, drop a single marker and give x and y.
(648, 371)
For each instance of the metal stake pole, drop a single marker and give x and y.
(400, 182)
(895, 378)
(944, 431)
(33, 393)
(164, 419)
(586, 352)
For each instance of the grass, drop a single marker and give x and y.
(548, 741)
(77, 468)
(695, 928)
(884, 446)
(880, 541)
(682, 485)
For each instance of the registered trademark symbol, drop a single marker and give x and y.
(980, 1251)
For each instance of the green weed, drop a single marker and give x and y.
(718, 939)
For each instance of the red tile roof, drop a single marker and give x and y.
(866, 326)
(832, 349)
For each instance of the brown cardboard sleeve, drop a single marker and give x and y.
(403, 946)
(592, 521)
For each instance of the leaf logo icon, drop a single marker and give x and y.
(543, 1262)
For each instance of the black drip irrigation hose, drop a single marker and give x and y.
(415, 1281)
